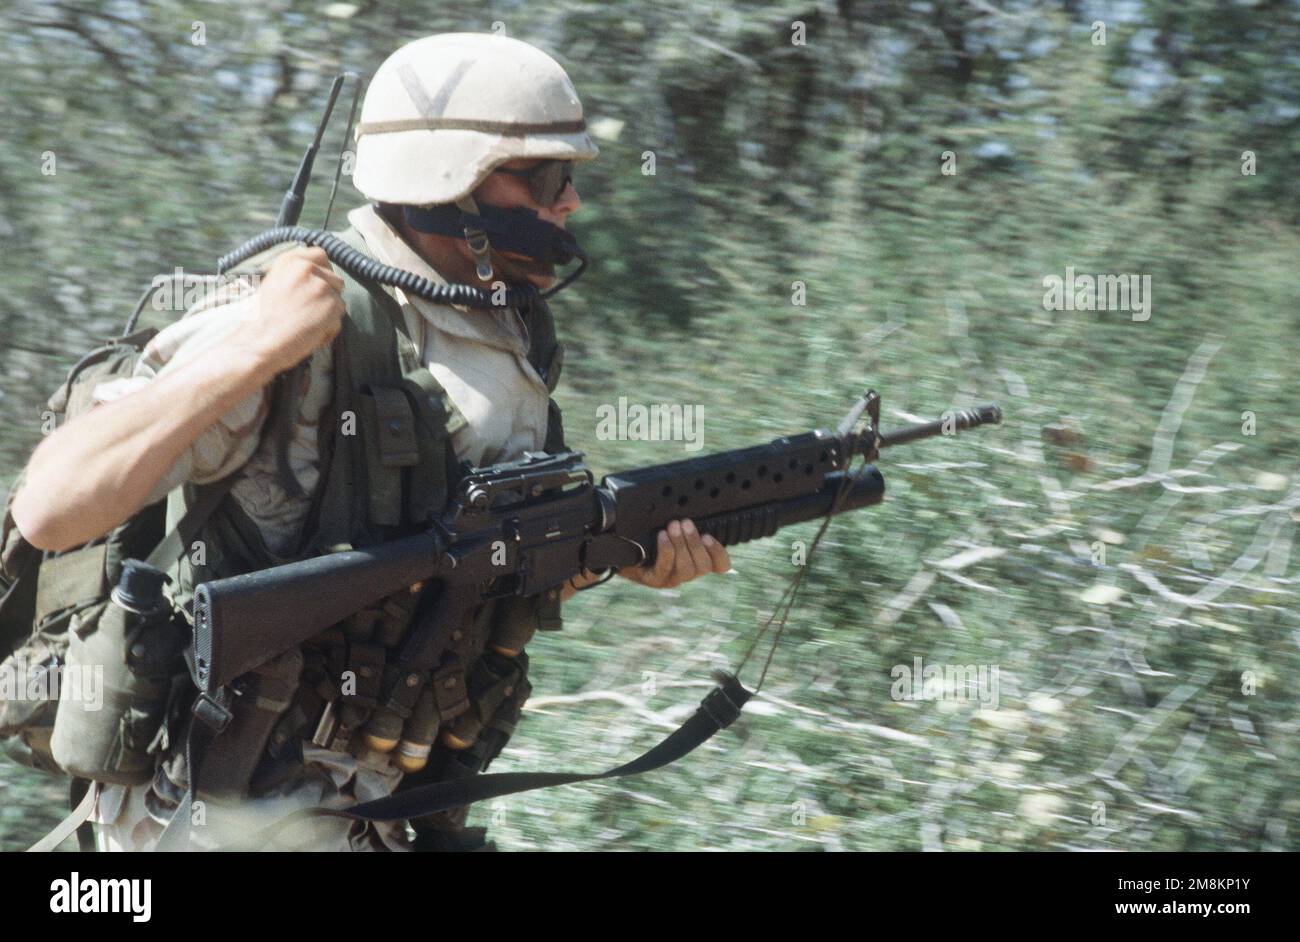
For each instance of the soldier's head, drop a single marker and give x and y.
(469, 141)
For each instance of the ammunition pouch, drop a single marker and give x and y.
(62, 589)
(491, 683)
(500, 688)
(261, 698)
(28, 709)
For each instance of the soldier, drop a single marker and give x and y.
(471, 121)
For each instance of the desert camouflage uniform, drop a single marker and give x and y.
(480, 359)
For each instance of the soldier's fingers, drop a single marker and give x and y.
(302, 253)
(683, 565)
(718, 554)
(319, 262)
(328, 275)
(699, 555)
(310, 253)
(664, 560)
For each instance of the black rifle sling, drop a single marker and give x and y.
(717, 711)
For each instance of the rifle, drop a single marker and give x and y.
(526, 527)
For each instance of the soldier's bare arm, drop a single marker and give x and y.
(97, 470)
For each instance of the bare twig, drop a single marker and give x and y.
(1131, 741)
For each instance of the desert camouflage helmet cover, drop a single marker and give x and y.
(442, 112)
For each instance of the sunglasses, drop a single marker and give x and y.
(547, 180)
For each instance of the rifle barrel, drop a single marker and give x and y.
(987, 414)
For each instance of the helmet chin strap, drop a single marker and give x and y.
(484, 227)
(475, 238)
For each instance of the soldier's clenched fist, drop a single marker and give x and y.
(299, 310)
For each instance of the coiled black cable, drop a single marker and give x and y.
(362, 267)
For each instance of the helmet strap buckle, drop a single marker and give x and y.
(477, 240)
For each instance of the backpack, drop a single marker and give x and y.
(44, 592)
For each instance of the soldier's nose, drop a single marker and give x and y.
(568, 202)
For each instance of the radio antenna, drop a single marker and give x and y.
(291, 206)
(343, 144)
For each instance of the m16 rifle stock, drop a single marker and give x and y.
(526, 527)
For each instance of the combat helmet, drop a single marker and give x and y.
(443, 112)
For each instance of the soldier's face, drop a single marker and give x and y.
(512, 192)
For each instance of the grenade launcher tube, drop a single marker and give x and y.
(631, 541)
(862, 490)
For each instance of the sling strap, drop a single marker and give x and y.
(718, 710)
(211, 717)
(69, 825)
(77, 790)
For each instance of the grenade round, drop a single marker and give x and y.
(384, 728)
(418, 734)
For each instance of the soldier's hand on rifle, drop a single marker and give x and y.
(300, 309)
(683, 554)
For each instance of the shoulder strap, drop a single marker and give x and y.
(173, 544)
(546, 354)
(365, 354)
(70, 825)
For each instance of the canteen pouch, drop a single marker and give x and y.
(113, 692)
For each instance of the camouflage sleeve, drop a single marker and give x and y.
(232, 440)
